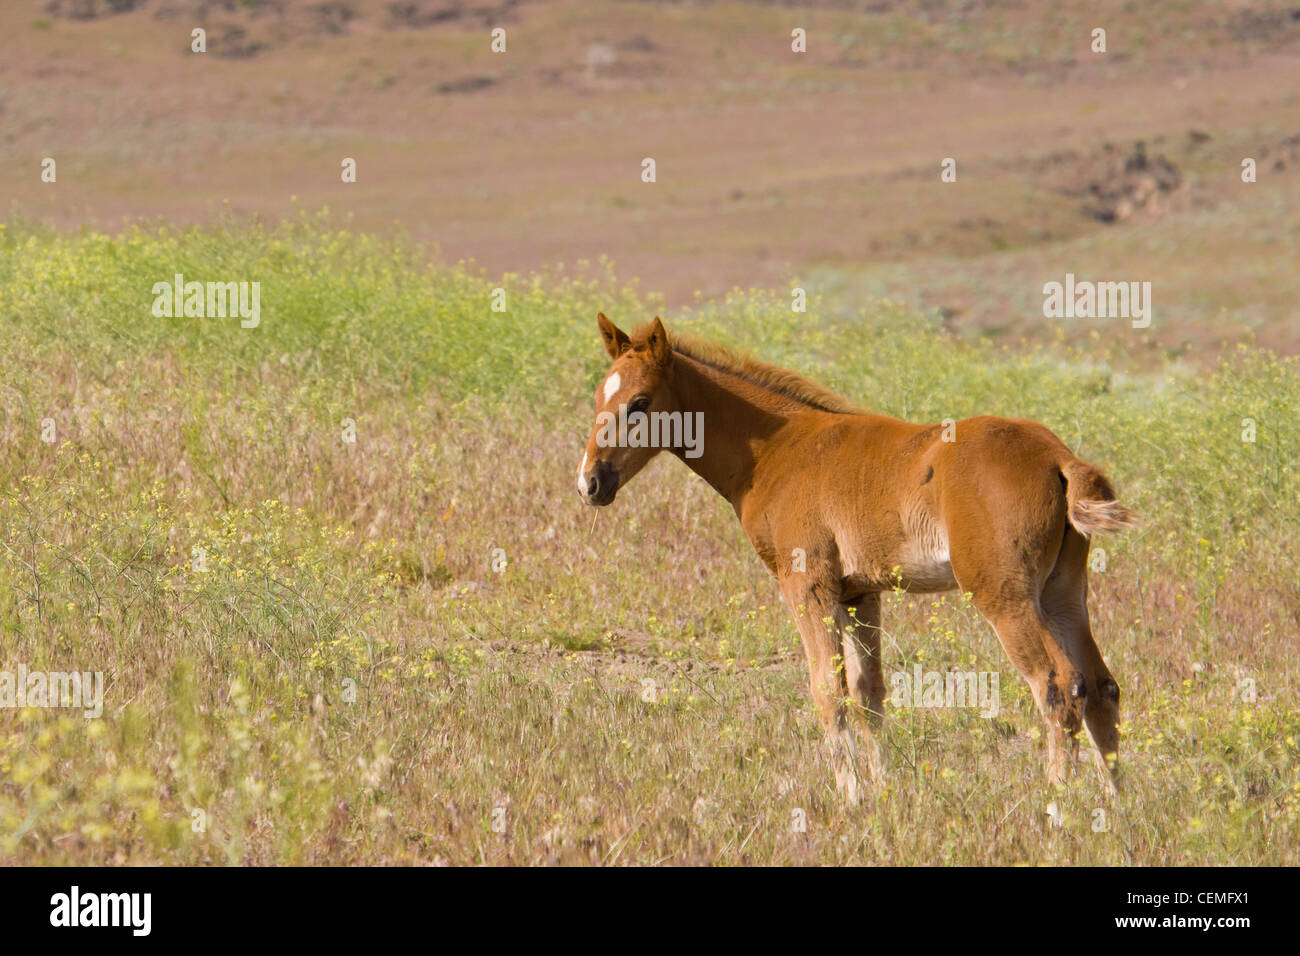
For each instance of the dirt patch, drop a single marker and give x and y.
(91, 9)
(332, 18)
(1260, 25)
(1114, 183)
(467, 84)
(1282, 155)
(422, 14)
(247, 29)
(233, 42)
(1131, 183)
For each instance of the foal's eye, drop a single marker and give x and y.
(639, 404)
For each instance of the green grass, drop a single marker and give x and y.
(353, 679)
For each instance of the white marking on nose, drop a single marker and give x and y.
(611, 385)
(582, 473)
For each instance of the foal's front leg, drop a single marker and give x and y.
(864, 673)
(813, 601)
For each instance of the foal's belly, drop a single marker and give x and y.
(918, 577)
(928, 576)
(918, 561)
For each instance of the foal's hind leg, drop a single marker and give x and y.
(1057, 686)
(1065, 603)
(1005, 589)
(1003, 560)
(813, 600)
(859, 623)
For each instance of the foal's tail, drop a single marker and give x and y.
(1091, 500)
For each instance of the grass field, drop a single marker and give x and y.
(419, 647)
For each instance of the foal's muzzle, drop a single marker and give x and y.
(602, 484)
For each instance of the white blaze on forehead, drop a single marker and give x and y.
(611, 385)
(582, 471)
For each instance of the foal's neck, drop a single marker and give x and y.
(739, 420)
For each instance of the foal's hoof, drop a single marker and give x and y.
(1066, 699)
(849, 787)
(1110, 778)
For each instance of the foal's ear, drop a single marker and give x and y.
(657, 343)
(615, 339)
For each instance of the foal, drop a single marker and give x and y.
(842, 505)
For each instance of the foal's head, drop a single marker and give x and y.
(639, 381)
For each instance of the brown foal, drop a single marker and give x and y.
(842, 504)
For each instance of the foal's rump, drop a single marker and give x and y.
(1020, 470)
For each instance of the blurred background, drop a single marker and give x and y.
(772, 167)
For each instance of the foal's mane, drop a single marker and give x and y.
(766, 376)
